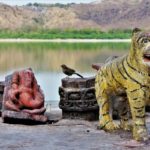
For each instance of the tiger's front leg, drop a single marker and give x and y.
(105, 120)
(137, 106)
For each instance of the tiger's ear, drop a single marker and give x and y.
(136, 30)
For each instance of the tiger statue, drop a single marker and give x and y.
(130, 75)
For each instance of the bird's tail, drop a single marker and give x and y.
(79, 75)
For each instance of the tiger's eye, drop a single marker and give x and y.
(145, 40)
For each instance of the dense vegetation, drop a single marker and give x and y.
(66, 34)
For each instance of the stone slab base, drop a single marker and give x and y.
(87, 115)
(22, 118)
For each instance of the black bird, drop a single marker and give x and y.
(69, 72)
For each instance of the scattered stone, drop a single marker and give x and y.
(54, 115)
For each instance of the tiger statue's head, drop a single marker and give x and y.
(140, 49)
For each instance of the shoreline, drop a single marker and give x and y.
(65, 40)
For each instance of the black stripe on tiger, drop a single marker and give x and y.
(140, 37)
(106, 71)
(136, 60)
(124, 111)
(133, 67)
(109, 84)
(144, 92)
(143, 116)
(135, 90)
(139, 107)
(114, 76)
(105, 103)
(107, 113)
(130, 76)
(101, 127)
(120, 71)
(137, 98)
(140, 110)
(102, 73)
(108, 75)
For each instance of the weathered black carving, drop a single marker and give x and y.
(77, 98)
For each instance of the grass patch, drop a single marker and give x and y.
(65, 34)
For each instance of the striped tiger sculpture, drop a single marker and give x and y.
(129, 74)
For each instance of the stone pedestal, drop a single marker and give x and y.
(1, 94)
(77, 98)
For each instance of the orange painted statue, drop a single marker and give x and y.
(24, 94)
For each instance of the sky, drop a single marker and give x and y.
(23, 2)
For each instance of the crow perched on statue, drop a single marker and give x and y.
(69, 72)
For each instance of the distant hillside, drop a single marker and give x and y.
(101, 14)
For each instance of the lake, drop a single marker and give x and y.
(45, 60)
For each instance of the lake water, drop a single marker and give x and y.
(45, 60)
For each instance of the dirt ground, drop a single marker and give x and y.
(64, 135)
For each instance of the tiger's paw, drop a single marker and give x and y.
(126, 126)
(140, 134)
(108, 126)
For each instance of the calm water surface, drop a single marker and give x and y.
(45, 60)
